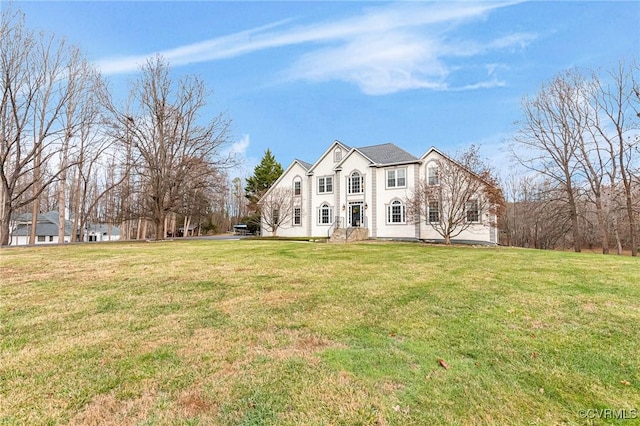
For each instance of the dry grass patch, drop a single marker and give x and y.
(260, 332)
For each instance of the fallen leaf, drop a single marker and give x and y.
(535, 355)
(396, 408)
(625, 382)
(542, 391)
(443, 364)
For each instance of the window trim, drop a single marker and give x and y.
(297, 216)
(324, 180)
(297, 187)
(433, 180)
(395, 178)
(350, 178)
(325, 207)
(337, 155)
(467, 211)
(430, 212)
(402, 213)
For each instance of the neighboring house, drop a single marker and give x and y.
(365, 188)
(102, 232)
(47, 230)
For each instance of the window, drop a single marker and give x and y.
(395, 212)
(276, 216)
(51, 238)
(337, 155)
(397, 178)
(473, 211)
(41, 239)
(355, 183)
(432, 175)
(325, 215)
(297, 187)
(434, 211)
(297, 216)
(325, 185)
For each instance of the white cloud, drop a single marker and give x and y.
(240, 147)
(247, 164)
(386, 49)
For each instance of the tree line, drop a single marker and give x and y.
(66, 144)
(155, 167)
(579, 141)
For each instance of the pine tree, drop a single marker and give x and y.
(264, 175)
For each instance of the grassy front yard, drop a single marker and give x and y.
(262, 332)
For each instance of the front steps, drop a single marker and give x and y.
(349, 235)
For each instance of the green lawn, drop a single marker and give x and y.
(273, 332)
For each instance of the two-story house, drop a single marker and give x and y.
(366, 188)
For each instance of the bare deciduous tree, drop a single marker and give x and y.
(35, 91)
(461, 193)
(618, 104)
(168, 145)
(277, 209)
(547, 140)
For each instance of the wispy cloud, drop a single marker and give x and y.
(385, 49)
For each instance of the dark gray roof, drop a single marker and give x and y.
(42, 229)
(103, 228)
(304, 164)
(387, 153)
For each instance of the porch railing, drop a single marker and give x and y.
(337, 224)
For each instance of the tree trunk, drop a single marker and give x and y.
(139, 229)
(159, 222)
(62, 217)
(573, 215)
(34, 220)
(5, 223)
(144, 229)
(616, 233)
(602, 223)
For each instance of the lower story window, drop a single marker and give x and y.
(297, 216)
(434, 212)
(473, 211)
(396, 213)
(325, 215)
(41, 238)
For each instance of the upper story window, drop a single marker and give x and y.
(432, 175)
(337, 155)
(297, 187)
(396, 212)
(473, 211)
(355, 183)
(397, 178)
(325, 185)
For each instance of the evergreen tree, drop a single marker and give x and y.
(264, 175)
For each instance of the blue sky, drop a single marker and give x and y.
(295, 75)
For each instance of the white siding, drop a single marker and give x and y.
(376, 195)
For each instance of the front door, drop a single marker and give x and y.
(356, 214)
